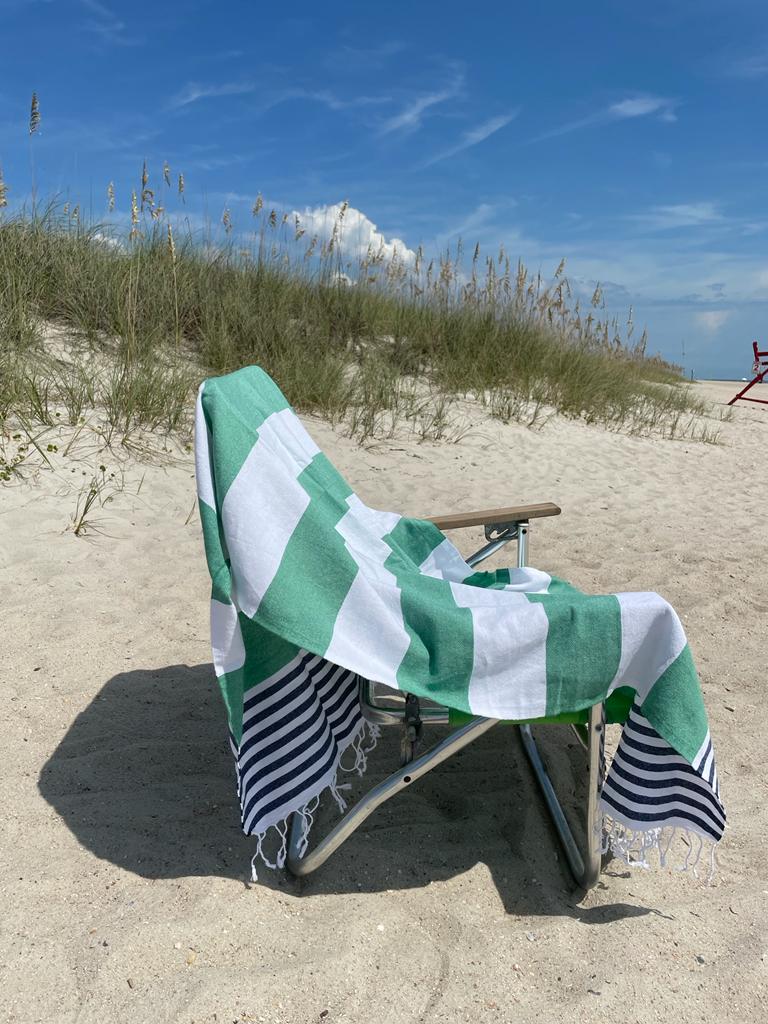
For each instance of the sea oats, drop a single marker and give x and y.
(134, 215)
(226, 220)
(34, 115)
(273, 218)
(3, 191)
(257, 206)
(171, 244)
(111, 196)
(181, 186)
(166, 173)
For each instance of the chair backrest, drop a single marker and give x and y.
(759, 356)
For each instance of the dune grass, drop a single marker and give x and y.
(369, 342)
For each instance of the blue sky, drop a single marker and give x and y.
(630, 139)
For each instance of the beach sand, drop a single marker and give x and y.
(124, 875)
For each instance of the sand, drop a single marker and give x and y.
(124, 876)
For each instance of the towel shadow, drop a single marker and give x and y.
(144, 779)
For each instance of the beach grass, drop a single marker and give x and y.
(369, 340)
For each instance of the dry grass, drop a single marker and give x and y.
(368, 340)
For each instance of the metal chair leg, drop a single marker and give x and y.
(390, 787)
(585, 866)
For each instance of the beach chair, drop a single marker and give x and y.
(760, 369)
(381, 707)
(317, 600)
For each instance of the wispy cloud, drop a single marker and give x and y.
(751, 67)
(105, 25)
(411, 116)
(475, 135)
(680, 215)
(194, 91)
(626, 109)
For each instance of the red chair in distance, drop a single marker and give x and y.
(760, 369)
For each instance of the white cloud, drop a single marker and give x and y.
(410, 117)
(712, 320)
(479, 133)
(626, 109)
(753, 67)
(192, 92)
(680, 215)
(357, 234)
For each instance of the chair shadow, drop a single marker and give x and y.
(144, 779)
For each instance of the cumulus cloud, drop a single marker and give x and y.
(357, 233)
(712, 320)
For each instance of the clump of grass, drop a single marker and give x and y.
(358, 340)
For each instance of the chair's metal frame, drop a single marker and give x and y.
(584, 864)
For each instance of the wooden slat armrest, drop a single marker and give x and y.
(511, 514)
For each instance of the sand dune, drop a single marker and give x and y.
(124, 873)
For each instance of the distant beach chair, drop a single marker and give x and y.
(760, 369)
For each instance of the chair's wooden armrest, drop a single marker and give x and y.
(491, 516)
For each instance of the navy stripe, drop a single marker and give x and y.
(275, 687)
(680, 765)
(706, 826)
(681, 782)
(649, 799)
(647, 748)
(327, 753)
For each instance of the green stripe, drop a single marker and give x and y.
(238, 403)
(215, 553)
(496, 580)
(675, 707)
(438, 662)
(265, 654)
(583, 646)
(303, 600)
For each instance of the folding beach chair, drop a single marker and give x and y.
(318, 600)
(501, 525)
(760, 369)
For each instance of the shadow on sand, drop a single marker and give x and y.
(144, 779)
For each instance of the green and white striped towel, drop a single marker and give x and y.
(312, 588)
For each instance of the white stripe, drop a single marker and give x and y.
(701, 752)
(509, 670)
(226, 638)
(651, 640)
(445, 563)
(264, 704)
(369, 635)
(284, 713)
(271, 795)
(264, 504)
(673, 793)
(528, 581)
(203, 472)
(667, 820)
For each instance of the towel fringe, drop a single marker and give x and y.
(635, 846)
(361, 744)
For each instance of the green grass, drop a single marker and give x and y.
(149, 316)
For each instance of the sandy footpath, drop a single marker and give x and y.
(123, 874)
